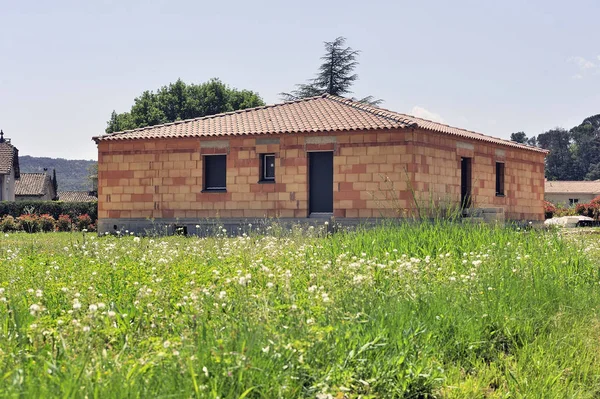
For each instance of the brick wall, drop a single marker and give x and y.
(375, 174)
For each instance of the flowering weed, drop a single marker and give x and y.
(415, 310)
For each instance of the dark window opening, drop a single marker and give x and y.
(267, 167)
(573, 201)
(499, 179)
(215, 172)
(465, 182)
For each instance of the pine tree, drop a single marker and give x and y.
(335, 74)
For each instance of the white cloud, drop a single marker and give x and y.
(421, 112)
(582, 63)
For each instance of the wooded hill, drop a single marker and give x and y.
(71, 174)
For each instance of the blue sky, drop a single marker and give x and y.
(495, 67)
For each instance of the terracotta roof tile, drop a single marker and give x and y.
(8, 156)
(31, 184)
(324, 113)
(579, 187)
(76, 196)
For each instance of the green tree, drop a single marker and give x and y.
(586, 148)
(519, 137)
(336, 74)
(119, 122)
(178, 101)
(560, 162)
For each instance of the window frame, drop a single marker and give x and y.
(500, 179)
(263, 168)
(206, 170)
(573, 202)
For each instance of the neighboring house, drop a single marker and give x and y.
(77, 196)
(35, 187)
(570, 193)
(9, 168)
(322, 156)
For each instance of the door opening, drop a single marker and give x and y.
(320, 183)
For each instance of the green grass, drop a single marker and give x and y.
(407, 311)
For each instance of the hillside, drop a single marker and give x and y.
(71, 174)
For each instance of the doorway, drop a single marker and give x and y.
(320, 183)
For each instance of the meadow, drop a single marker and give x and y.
(417, 310)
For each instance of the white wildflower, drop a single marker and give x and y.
(34, 309)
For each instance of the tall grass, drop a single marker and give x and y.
(407, 311)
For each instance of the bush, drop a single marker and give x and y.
(84, 222)
(592, 209)
(53, 208)
(64, 223)
(47, 223)
(8, 224)
(29, 222)
(549, 209)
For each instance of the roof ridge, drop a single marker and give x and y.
(382, 112)
(213, 116)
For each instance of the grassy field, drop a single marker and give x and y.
(411, 311)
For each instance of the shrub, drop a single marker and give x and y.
(64, 223)
(29, 222)
(562, 211)
(84, 222)
(8, 224)
(47, 223)
(592, 209)
(53, 208)
(549, 209)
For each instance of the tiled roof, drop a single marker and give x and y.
(76, 196)
(324, 113)
(9, 158)
(32, 184)
(579, 187)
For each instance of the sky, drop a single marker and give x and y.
(495, 67)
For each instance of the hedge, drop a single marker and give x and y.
(54, 208)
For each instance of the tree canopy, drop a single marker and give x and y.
(336, 74)
(179, 101)
(574, 154)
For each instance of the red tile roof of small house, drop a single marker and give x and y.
(76, 196)
(9, 158)
(32, 184)
(567, 187)
(325, 113)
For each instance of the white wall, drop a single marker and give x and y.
(563, 199)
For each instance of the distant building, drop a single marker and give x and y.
(36, 187)
(571, 193)
(9, 168)
(77, 196)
